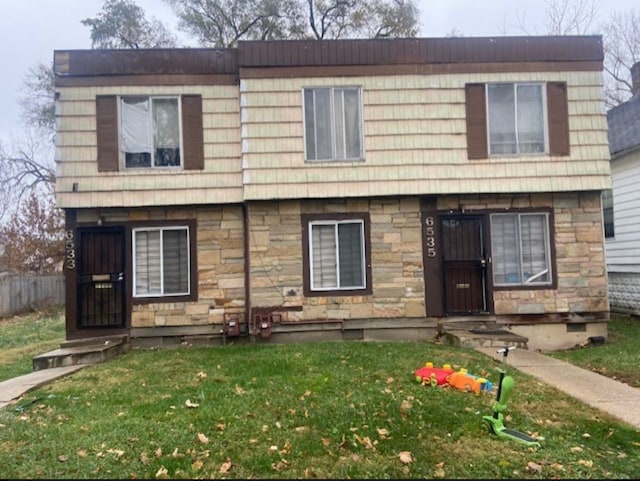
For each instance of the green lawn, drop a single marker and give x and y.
(317, 410)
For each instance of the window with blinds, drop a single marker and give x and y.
(333, 123)
(521, 249)
(337, 255)
(161, 262)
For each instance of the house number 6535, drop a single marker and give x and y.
(430, 236)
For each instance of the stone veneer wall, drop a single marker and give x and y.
(220, 241)
(579, 244)
(276, 250)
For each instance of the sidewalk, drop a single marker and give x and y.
(12, 389)
(618, 399)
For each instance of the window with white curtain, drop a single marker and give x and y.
(520, 249)
(161, 261)
(333, 123)
(516, 118)
(337, 255)
(150, 131)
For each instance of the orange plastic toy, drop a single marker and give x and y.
(435, 376)
(468, 382)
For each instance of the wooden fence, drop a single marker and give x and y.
(23, 293)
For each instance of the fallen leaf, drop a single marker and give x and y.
(365, 441)
(202, 438)
(326, 441)
(405, 457)
(283, 463)
(278, 425)
(390, 380)
(226, 466)
(144, 459)
(576, 449)
(162, 473)
(301, 429)
(273, 448)
(81, 453)
(239, 391)
(202, 375)
(220, 426)
(534, 467)
(383, 433)
(197, 465)
(586, 462)
(586, 435)
(158, 452)
(62, 458)
(189, 404)
(439, 471)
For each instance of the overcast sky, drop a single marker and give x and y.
(30, 30)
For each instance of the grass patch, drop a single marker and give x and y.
(318, 410)
(25, 336)
(617, 358)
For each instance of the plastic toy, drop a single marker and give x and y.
(434, 376)
(495, 423)
(468, 382)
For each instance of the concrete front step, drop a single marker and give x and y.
(85, 351)
(483, 338)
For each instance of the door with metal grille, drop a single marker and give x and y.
(464, 264)
(101, 278)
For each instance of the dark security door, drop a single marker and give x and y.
(464, 264)
(101, 283)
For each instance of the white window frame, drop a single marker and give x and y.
(332, 130)
(335, 224)
(150, 132)
(545, 118)
(134, 256)
(533, 279)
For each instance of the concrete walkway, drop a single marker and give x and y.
(618, 399)
(12, 389)
(613, 397)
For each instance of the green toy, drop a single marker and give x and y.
(495, 423)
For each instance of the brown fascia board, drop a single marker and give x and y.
(586, 52)
(403, 51)
(144, 62)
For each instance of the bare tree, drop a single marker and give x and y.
(221, 23)
(571, 17)
(622, 49)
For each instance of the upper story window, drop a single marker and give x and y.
(150, 132)
(526, 118)
(333, 123)
(516, 118)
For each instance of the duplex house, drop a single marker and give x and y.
(622, 201)
(343, 189)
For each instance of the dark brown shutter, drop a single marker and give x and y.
(192, 137)
(107, 132)
(476, 121)
(558, 111)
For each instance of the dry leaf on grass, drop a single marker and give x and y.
(162, 473)
(405, 457)
(226, 466)
(534, 467)
(383, 433)
(189, 404)
(202, 438)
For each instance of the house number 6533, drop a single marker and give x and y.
(70, 250)
(430, 236)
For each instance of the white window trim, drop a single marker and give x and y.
(335, 223)
(332, 89)
(547, 246)
(121, 153)
(161, 230)
(545, 119)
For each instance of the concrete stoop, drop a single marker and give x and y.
(487, 337)
(83, 351)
